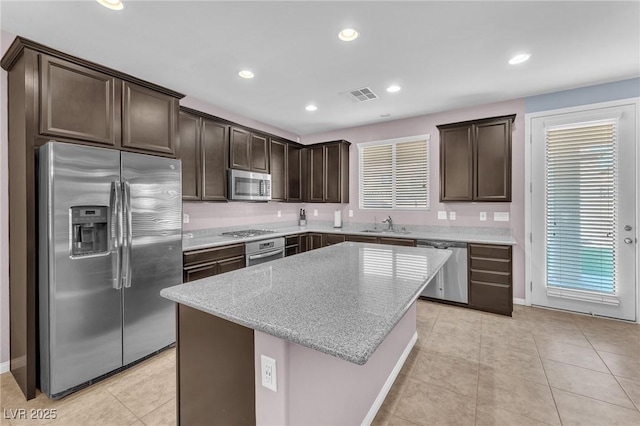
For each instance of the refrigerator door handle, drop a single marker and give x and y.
(126, 252)
(115, 204)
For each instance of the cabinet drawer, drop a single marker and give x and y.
(491, 277)
(397, 241)
(197, 273)
(291, 240)
(493, 265)
(494, 252)
(232, 264)
(291, 250)
(362, 239)
(208, 255)
(491, 297)
(333, 239)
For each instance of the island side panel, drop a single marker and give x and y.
(216, 384)
(319, 389)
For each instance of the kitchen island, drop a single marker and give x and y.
(339, 323)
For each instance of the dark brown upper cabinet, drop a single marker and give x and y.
(316, 174)
(149, 120)
(203, 152)
(328, 171)
(278, 170)
(85, 105)
(190, 156)
(77, 102)
(475, 160)
(248, 151)
(294, 173)
(259, 153)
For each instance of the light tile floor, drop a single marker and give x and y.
(539, 367)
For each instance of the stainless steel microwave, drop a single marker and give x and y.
(249, 186)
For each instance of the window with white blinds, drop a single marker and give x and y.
(395, 174)
(581, 191)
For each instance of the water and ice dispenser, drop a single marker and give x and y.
(89, 230)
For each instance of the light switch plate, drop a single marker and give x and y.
(442, 215)
(452, 215)
(315, 212)
(501, 216)
(483, 216)
(185, 218)
(350, 213)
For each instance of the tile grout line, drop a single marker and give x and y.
(553, 397)
(475, 420)
(124, 405)
(595, 399)
(611, 372)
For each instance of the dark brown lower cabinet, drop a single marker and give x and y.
(330, 239)
(397, 241)
(215, 366)
(491, 278)
(362, 239)
(198, 264)
(291, 245)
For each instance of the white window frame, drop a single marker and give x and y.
(394, 141)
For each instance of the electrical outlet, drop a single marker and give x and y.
(315, 212)
(185, 218)
(350, 213)
(269, 374)
(442, 215)
(279, 213)
(452, 215)
(483, 215)
(501, 216)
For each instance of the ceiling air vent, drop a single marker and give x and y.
(360, 95)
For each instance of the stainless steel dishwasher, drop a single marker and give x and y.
(450, 283)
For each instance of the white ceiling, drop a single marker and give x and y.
(445, 55)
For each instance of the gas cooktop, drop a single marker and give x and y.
(244, 233)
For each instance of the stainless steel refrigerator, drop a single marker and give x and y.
(110, 238)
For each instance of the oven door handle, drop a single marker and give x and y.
(267, 254)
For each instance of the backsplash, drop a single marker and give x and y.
(233, 214)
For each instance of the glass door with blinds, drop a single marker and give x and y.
(583, 173)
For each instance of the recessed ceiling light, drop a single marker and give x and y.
(385, 115)
(348, 34)
(518, 59)
(311, 107)
(112, 4)
(394, 89)
(245, 74)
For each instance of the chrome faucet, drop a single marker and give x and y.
(390, 222)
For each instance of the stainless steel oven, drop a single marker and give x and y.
(263, 251)
(249, 186)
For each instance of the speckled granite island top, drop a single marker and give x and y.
(342, 300)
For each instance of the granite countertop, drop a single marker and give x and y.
(342, 300)
(200, 239)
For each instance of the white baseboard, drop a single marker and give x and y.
(518, 301)
(5, 366)
(387, 385)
